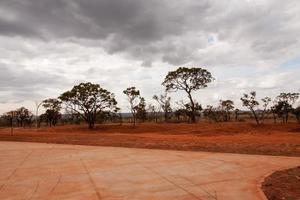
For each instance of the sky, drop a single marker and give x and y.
(48, 46)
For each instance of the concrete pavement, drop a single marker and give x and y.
(58, 172)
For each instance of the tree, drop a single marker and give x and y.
(23, 116)
(226, 106)
(284, 104)
(249, 101)
(152, 112)
(53, 107)
(165, 104)
(88, 100)
(188, 80)
(236, 112)
(296, 112)
(266, 101)
(213, 114)
(187, 112)
(141, 113)
(133, 94)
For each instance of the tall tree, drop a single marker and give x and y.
(88, 100)
(133, 95)
(188, 80)
(165, 104)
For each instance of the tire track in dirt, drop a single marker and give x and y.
(91, 179)
(165, 178)
(15, 170)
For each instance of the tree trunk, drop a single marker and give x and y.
(193, 117)
(274, 118)
(255, 116)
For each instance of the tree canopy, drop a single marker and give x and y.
(88, 99)
(188, 80)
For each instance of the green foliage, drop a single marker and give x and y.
(21, 117)
(88, 100)
(225, 107)
(249, 101)
(141, 113)
(187, 112)
(284, 105)
(187, 79)
(52, 114)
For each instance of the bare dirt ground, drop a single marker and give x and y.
(37, 171)
(245, 138)
(283, 185)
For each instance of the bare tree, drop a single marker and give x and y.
(188, 80)
(165, 104)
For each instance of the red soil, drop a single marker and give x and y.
(268, 139)
(283, 185)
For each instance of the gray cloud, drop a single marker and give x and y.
(18, 83)
(139, 28)
(52, 44)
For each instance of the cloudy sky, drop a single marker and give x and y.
(47, 46)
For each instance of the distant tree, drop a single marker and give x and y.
(211, 113)
(249, 101)
(165, 104)
(88, 100)
(236, 112)
(187, 112)
(296, 112)
(274, 113)
(284, 104)
(188, 80)
(266, 101)
(226, 107)
(133, 95)
(53, 107)
(152, 112)
(141, 113)
(23, 116)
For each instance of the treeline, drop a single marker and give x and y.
(93, 104)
